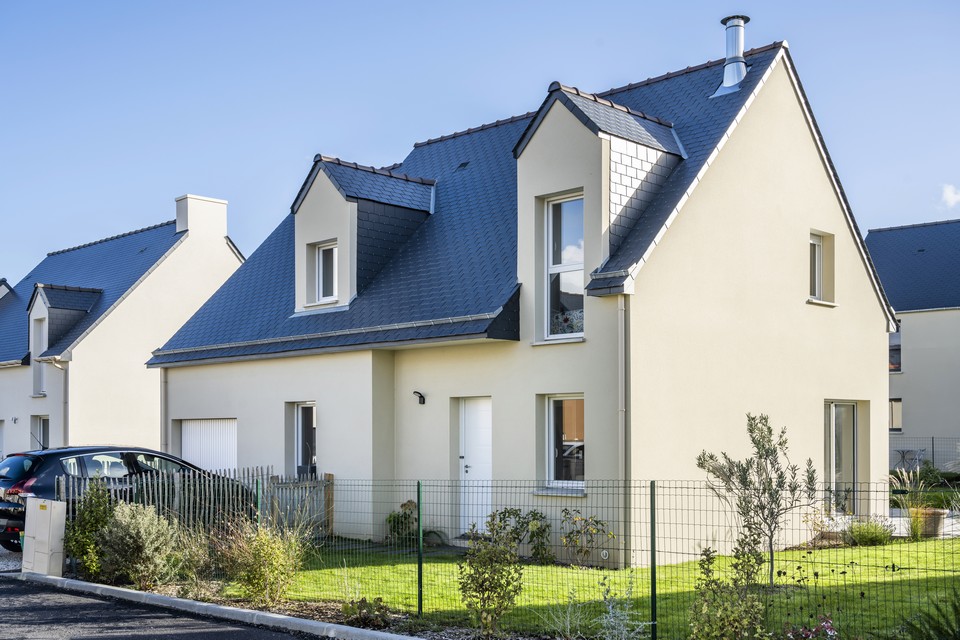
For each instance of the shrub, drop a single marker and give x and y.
(569, 620)
(490, 576)
(137, 546)
(194, 561)
(81, 538)
(532, 527)
(263, 560)
(402, 525)
(823, 629)
(721, 610)
(369, 614)
(582, 535)
(618, 620)
(871, 532)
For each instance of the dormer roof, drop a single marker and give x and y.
(359, 182)
(600, 115)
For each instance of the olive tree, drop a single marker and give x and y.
(763, 488)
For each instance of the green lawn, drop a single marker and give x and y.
(865, 589)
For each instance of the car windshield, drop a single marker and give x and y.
(17, 467)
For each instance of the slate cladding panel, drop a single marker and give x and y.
(358, 183)
(381, 230)
(112, 265)
(60, 321)
(462, 259)
(918, 265)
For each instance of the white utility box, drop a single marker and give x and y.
(43, 536)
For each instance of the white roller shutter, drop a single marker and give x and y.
(209, 444)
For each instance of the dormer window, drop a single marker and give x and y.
(322, 272)
(564, 288)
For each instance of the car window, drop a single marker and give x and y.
(104, 465)
(149, 462)
(17, 467)
(71, 467)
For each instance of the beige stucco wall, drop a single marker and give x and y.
(114, 398)
(18, 403)
(930, 372)
(720, 323)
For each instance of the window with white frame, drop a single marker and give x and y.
(306, 439)
(894, 364)
(564, 287)
(816, 267)
(565, 440)
(896, 415)
(39, 339)
(325, 273)
(39, 432)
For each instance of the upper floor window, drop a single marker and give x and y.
(564, 302)
(323, 270)
(895, 352)
(816, 266)
(39, 345)
(821, 267)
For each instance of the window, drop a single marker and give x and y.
(145, 462)
(816, 267)
(564, 302)
(326, 273)
(306, 439)
(565, 440)
(39, 346)
(895, 352)
(896, 415)
(840, 426)
(40, 432)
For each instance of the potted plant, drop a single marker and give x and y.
(909, 494)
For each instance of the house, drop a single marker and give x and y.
(597, 289)
(76, 331)
(919, 266)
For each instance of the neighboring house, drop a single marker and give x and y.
(595, 290)
(76, 331)
(919, 266)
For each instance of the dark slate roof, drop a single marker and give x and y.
(919, 265)
(599, 114)
(458, 270)
(73, 298)
(112, 265)
(368, 183)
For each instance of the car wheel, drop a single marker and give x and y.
(11, 545)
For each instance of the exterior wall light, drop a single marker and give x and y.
(420, 397)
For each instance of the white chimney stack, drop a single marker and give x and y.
(735, 67)
(202, 215)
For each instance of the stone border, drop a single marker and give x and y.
(244, 616)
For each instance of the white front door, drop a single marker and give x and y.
(476, 461)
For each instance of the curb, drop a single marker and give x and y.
(246, 616)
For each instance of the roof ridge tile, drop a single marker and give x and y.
(914, 225)
(674, 74)
(559, 86)
(482, 127)
(116, 237)
(383, 171)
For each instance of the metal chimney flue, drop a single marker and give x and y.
(735, 67)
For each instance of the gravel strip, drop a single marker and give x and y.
(9, 561)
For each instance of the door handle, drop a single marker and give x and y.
(466, 468)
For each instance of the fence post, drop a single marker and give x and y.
(259, 500)
(653, 559)
(419, 548)
(933, 450)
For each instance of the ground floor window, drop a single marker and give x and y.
(40, 432)
(306, 439)
(840, 426)
(896, 415)
(565, 436)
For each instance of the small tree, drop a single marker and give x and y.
(765, 487)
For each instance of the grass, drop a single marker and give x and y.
(866, 590)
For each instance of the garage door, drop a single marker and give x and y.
(209, 444)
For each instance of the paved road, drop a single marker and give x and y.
(34, 612)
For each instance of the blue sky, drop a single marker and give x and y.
(110, 110)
